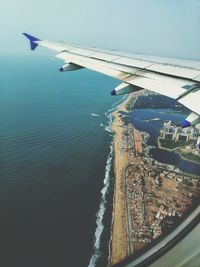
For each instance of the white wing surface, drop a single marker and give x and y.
(178, 79)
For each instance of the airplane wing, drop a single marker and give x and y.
(174, 78)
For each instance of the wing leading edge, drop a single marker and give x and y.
(178, 79)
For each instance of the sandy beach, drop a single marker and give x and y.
(119, 234)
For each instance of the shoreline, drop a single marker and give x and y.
(117, 246)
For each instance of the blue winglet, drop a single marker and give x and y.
(32, 40)
(185, 124)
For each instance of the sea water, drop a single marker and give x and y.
(56, 178)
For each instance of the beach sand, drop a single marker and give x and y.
(119, 248)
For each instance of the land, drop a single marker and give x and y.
(185, 154)
(149, 197)
(182, 141)
(157, 101)
(182, 148)
(118, 246)
(170, 145)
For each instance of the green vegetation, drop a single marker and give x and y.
(170, 144)
(158, 102)
(131, 103)
(192, 157)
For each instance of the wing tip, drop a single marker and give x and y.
(32, 40)
(185, 124)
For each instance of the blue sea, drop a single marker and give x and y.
(55, 164)
(56, 174)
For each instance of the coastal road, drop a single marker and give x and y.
(128, 218)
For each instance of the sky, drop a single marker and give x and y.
(168, 28)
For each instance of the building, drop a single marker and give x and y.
(176, 133)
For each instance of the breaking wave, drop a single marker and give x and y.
(101, 212)
(94, 115)
(106, 183)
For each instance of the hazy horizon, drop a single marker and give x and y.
(155, 27)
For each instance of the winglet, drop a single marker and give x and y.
(32, 40)
(185, 124)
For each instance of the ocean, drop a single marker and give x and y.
(56, 172)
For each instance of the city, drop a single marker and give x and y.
(154, 191)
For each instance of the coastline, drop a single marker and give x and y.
(118, 242)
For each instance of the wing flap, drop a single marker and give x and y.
(192, 100)
(174, 70)
(166, 88)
